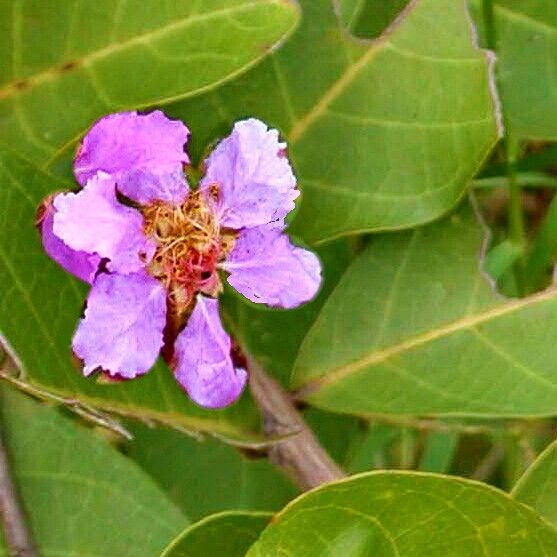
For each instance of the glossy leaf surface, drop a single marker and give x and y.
(392, 514)
(414, 327)
(106, 56)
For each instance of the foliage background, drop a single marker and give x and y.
(427, 366)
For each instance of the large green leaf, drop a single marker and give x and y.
(207, 477)
(41, 306)
(527, 67)
(414, 327)
(383, 134)
(538, 486)
(228, 534)
(82, 497)
(406, 515)
(63, 66)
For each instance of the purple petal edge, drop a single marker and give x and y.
(267, 269)
(254, 178)
(140, 151)
(79, 263)
(92, 220)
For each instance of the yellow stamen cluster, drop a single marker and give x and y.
(190, 243)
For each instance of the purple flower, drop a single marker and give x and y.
(155, 251)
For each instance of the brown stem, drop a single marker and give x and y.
(18, 536)
(300, 455)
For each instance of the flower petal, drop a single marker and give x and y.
(255, 180)
(122, 330)
(267, 269)
(204, 367)
(144, 186)
(128, 143)
(93, 221)
(79, 263)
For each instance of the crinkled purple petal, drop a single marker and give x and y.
(255, 181)
(267, 269)
(129, 143)
(79, 263)
(145, 186)
(122, 330)
(204, 367)
(94, 221)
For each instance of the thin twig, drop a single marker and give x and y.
(489, 463)
(18, 536)
(9, 372)
(300, 455)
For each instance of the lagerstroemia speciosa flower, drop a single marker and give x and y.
(155, 251)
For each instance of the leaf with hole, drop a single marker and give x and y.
(415, 327)
(382, 135)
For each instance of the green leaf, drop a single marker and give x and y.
(538, 486)
(228, 534)
(527, 52)
(382, 135)
(40, 310)
(82, 497)
(414, 327)
(390, 514)
(369, 18)
(207, 477)
(63, 68)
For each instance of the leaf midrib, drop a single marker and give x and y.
(352, 72)
(11, 89)
(301, 126)
(346, 78)
(378, 356)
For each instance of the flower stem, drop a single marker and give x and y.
(301, 456)
(489, 24)
(516, 215)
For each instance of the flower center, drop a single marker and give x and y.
(190, 244)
